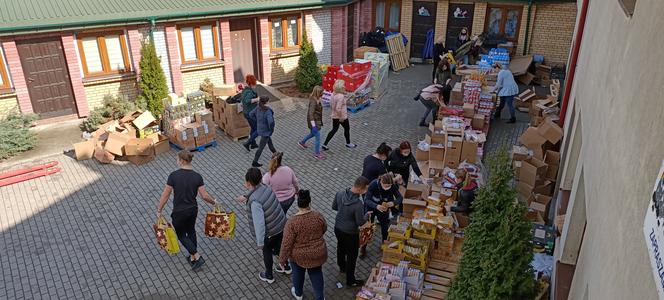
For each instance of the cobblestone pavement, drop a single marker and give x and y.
(86, 232)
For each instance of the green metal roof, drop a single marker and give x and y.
(29, 15)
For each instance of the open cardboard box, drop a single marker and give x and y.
(85, 150)
(550, 131)
(116, 142)
(140, 147)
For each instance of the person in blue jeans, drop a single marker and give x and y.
(304, 245)
(249, 102)
(506, 88)
(314, 121)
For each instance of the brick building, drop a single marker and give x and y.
(60, 60)
(541, 27)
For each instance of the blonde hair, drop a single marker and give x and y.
(317, 92)
(440, 39)
(339, 86)
(275, 162)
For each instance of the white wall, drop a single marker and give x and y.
(162, 52)
(319, 27)
(618, 89)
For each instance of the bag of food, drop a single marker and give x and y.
(367, 231)
(220, 224)
(166, 237)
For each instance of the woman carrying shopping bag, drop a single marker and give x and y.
(314, 121)
(185, 184)
(304, 245)
(339, 114)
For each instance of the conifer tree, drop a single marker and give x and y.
(153, 82)
(308, 73)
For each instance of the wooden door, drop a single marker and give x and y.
(350, 25)
(243, 59)
(47, 77)
(458, 17)
(424, 19)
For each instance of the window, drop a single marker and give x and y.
(285, 32)
(387, 14)
(504, 20)
(628, 6)
(4, 79)
(198, 43)
(104, 53)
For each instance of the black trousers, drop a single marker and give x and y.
(347, 248)
(271, 246)
(335, 126)
(265, 140)
(184, 224)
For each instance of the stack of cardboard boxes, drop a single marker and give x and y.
(188, 124)
(393, 281)
(136, 138)
(229, 117)
(536, 166)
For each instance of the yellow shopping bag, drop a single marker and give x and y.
(166, 237)
(220, 223)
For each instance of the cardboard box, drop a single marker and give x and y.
(161, 145)
(532, 138)
(456, 97)
(550, 131)
(436, 133)
(84, 150)
(140, 159)
(516, 167)
(552, 157)
(410, 205)
(469, 152)
(526, 78)
(418, 191)
(524, 190)
(204, 116)
(519, 153)
(534, 166)
(436, 152)
(453, 151)
(539, 203)
(183, 137)
(139, 147)
(435, 167)
(478, 121)
(468, 110)
(224, 90)
(130, 116)
(545, 188)
(535, 217)
(552, 173)
(116, 143)
(421, 155)
(143, 120)
(102, 155)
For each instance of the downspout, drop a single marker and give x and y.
(569, 80)
(525, 44)
(153, 25)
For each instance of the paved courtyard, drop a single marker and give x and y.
(86, 232)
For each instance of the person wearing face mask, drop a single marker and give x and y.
(466, 187)
(462, 39)
(401, 160)
(382, 197)
(374, 164)
(185, 184)
(444, 72)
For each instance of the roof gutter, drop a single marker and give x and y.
(162, 18)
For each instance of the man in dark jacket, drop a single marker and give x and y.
(382, 197)
(264, 117)
(266, 221)
(349, 205)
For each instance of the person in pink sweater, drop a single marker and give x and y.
(339, 114)
(282, 180)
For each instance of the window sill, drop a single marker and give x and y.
(284, 53)
(195, 66)
(7, 92)
(99, 79)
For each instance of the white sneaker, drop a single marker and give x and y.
(292, 291)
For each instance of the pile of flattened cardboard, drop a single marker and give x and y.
(136, 138)
(536, 165)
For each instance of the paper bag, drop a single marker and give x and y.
(166, 237)
(220, 224)
(367, 232)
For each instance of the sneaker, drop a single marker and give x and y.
(325, 148)
(302, 145)
(281, 270)
(263, 277)
(191, 263)
(254, 146)
(198, 264)
(246, 146)
(355, 283)
(256, 165)
(292, 291)
(319, 156)
(351, 146)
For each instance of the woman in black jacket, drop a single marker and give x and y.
(438, 51)
(401, 160)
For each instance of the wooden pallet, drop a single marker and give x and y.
(359, 107)
(198, 148)
(236, 134)
(438, 277)
(397, 51)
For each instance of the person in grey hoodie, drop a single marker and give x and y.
(264, 117)
(266, 220)
(349, 205)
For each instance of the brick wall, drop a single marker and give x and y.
(135, 39)
(522, 29)
(17, 77)
(479, 17)
(192, 78)
(96, 91)
(319, 30)
(226, 50)
(159, 35)
(264, 42)
(366, 15)
(75, 75)
(553, 30)
(172, 47)
(440, 28)
(407, 22)
(337, 51)
(356, 25)
(283, 68)
(8, 102)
